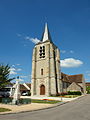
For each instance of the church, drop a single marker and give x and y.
(47, 78)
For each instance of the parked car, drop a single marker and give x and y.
(24, 93)
(4, 94)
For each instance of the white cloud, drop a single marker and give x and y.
(88, 74)
(71, 51)
(17, 64)
(19, 69)
(34, 40)
(21, 79)
(13, 71)
(25, 45)
(88, 71)
(19, 35)
(13, 65)
(23, 76)
(63, 51)
(86, 79)
(71, 62)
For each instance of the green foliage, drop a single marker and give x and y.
(71, 96)
(29, 94)
(4, 109)
(24, 101)
(59, 94)
(4, 75)
(5, 100)
(20, 101)
(45, 101)
(74, 93)
(88, 89)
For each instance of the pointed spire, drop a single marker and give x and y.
(46, 34)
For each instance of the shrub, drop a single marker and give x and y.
(5, 100)
(88, 89)
(29, 94)
(53, 95)
(59, 94)
(74, 93)
(24, 101)
(64, 93)
(0, 99)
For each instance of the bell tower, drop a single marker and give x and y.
(45, 67)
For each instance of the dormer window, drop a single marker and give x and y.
(42, 51)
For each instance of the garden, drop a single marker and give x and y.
(69, 94)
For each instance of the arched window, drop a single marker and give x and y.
(41, 71)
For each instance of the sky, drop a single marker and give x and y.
(21, 27)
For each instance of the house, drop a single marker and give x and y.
(88, 87)
(73, 83)
(25, 87)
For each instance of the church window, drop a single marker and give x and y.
(40, 47)
(61, 77)
(42, 51)
(41, 71)
(64, 85)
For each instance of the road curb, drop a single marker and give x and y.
(57, 104)
(53, 106)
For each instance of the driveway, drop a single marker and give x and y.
(75, 110)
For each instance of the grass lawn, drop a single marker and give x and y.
(4, 109)
(44, 101)
(70, 96)
(67, 96)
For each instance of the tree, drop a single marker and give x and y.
(4, 75)
(88, 89)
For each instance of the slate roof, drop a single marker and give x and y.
(76, 78)
(72, 78)
(46, 34)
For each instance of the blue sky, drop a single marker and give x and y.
(22, 21)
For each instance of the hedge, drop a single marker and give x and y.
(74, 93)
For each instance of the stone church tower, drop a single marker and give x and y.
(45, 67)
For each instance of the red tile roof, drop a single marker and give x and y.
(87, 83)
(22, 87)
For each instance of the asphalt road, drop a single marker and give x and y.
(74, 110)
